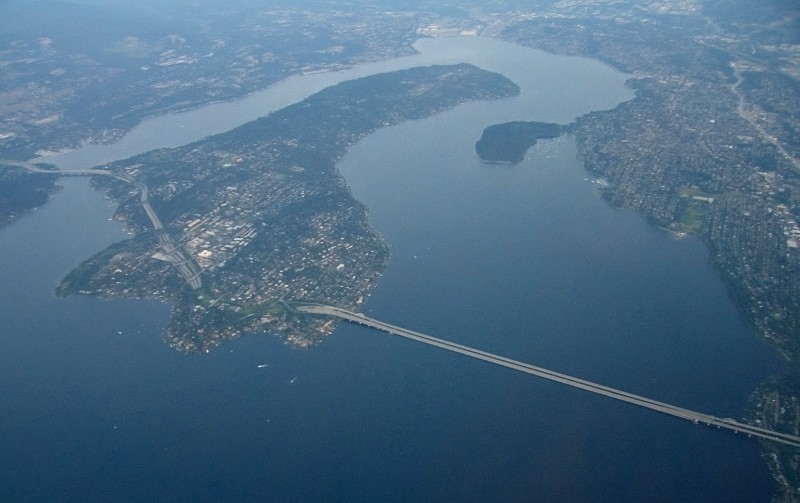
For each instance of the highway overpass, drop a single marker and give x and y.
(185, 266)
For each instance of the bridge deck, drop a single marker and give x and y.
(186, 267)
(664, 408)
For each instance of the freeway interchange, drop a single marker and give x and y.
(186, 267)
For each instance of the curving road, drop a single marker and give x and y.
(664, 408)
(186, 267)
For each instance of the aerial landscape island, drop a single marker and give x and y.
(507, 143)
(258, 218)
(264, 214)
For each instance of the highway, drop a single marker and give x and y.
(664, 408)
(186, 267)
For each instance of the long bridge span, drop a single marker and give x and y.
(664, 408)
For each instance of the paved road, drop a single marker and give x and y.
(744, 113)
(664, 408)
(186, 267)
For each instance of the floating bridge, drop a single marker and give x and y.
(599, 389)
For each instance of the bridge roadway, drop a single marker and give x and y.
(187, 268)
(664, 408)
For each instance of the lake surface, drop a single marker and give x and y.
(525, 261)
(559, 83)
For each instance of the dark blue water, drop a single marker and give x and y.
(525, 261)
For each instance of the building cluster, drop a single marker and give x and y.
(687, 160)
(264, 214)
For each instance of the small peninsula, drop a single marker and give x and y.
(507, 143)
(233, 229)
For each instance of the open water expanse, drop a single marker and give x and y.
(525, 261)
